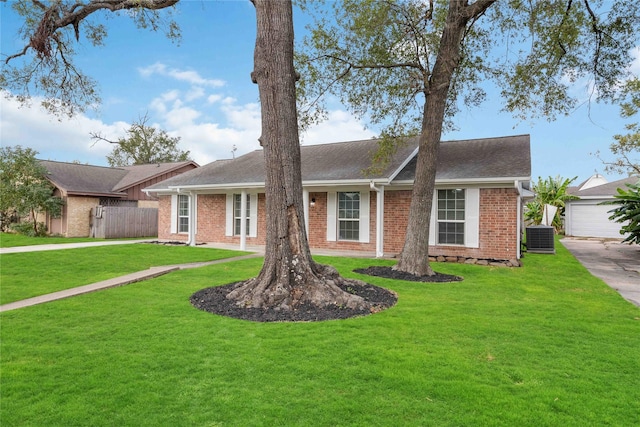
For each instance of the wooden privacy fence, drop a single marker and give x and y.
(110, 222)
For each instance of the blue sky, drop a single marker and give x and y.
(200, 90)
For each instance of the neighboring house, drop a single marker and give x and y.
(586, 217)
(83, 187)
(477, 210)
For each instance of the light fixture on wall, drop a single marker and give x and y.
(313, 202)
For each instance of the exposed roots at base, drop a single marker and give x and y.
(326, 299)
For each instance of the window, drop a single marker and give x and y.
(451, 216)
(237, 214)
(183, 213)
(349, 216)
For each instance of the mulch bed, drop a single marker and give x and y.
(390, 273)
(214, 300)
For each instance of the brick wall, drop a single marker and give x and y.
(78, 215)
(498, 224)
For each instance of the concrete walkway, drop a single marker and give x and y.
(58, 246)
(617, 264)
(117, 281)
(152, 272)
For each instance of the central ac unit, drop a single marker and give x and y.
(540, 239)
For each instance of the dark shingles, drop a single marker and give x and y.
(505, 157)
(479, 158)
(84, 179)
(606, 190)
(79, 179)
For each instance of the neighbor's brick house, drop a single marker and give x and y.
(83, 187)
(477, 210)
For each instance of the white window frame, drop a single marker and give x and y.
(457, 211)
(175, 213)
(471, 221)
(230, 214)
(332, 215)
(237, 226)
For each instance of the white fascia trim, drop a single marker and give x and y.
(471, 181)
(342, 183)
(405, 163)
(591, 198)
(247, 185)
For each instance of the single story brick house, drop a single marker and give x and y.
(477, 210)
(83, 187)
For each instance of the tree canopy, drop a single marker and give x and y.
(144, 144)
(626, 147)
(45, 65)
(24, 187)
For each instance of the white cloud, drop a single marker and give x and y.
(208, 126)
(188, 76)
(61, 140)
(340, 126)
(212, 99)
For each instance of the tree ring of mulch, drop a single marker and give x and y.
(390, 273)
(214, 300)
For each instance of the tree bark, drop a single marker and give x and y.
(414, 258)
(289, 276)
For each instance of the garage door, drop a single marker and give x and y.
(591, 220)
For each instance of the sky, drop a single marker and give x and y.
(200, 90)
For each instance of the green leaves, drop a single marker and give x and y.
(145, 145)
(628, 212)
(552, 191)
(24, 186)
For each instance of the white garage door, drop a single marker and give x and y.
(591, 220)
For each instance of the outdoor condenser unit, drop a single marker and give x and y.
(540, 239)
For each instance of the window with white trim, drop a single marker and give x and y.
(237, 214)
(349, 216)
(183, 213)
(451, 217)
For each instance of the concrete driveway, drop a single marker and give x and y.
(618, 265)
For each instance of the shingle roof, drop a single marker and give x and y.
(605, 190)
(503, 157)
(140, 173)
(479, 158)
(75, 178)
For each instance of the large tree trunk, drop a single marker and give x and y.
(289, 276)
(414, 257)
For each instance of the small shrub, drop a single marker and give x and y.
(26, 229)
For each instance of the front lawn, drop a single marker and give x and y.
(25, 275)
(543, 345)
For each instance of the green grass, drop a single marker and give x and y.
(543, 345)
(9, 240)
(25, 275)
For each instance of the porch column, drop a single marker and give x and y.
(243, 220)
(380, 223)
(379, 219)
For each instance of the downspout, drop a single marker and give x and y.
(379, 219)
(519, 220)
